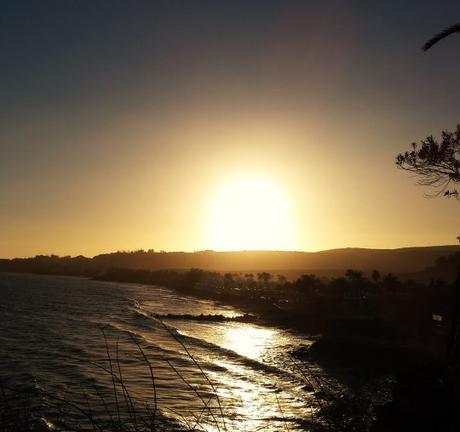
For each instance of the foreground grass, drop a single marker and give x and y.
(35, 409)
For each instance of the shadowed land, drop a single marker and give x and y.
(290, 264)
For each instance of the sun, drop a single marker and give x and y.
(250, 213)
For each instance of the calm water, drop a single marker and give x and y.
(51, 335)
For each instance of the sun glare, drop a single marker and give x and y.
(248, 341)
(250, 213)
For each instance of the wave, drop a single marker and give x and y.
(163, 354)
(191, 341)
(233, 355)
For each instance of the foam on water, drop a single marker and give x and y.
(51, 336)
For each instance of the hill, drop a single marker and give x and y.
(400, 260)
(324, 263)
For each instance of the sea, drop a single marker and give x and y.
(80, 353)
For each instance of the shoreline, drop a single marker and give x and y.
(330, 345)
(358, 360)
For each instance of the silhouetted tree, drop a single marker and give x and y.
(391, 283)
(264, 276)
(307, 284)
(192, 278)
(281, 279)
(354, 275)
(435, 163)
(375, 276)
(228, 280)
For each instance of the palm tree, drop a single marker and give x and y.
(437, 37)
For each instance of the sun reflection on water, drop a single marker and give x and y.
(247, 341)
(256, 389)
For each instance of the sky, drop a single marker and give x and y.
(128, 125)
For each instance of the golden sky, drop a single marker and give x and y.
(131, 136)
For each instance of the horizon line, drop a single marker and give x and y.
(162, 251)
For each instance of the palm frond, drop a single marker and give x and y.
(436, 38)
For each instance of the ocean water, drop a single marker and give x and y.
(63, 336)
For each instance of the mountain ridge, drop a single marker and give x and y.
(333, 261)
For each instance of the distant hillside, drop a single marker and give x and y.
(401, 260)
(445, 268)
(330, 262)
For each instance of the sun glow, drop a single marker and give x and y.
(250, 213)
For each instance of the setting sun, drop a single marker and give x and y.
(250, 213)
